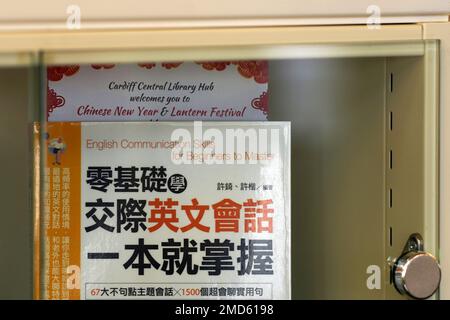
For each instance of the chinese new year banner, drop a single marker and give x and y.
(228, 90)
(165, 210)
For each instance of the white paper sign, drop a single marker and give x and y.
(158, 91)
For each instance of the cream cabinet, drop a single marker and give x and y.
(368, 107)
(54, 14)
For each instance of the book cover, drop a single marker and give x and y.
(164, 210)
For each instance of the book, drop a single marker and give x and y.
(163, 210)
(226, 90)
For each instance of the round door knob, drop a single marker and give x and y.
(417, 274)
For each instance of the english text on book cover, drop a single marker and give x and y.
(227, 90)
(166, 210)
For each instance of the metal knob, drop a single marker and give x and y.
(417, 274)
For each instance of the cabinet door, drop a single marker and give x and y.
(347, 221)
(17, 87)
(442, 31)
(328, 100)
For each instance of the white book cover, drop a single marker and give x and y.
(165, 210)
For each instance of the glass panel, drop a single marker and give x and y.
(19, 108)
(336, 98)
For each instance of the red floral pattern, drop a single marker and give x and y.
(214, 65)
(258, 70)
(102, 66)
(166, 65)
(171, 65)
(53, 101)
(261, 103)
(147, 65)
(57, 73)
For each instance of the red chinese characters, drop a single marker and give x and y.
(163, 213)
(227, 214)
(195, 221)
(252, 216)
(258, 216)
